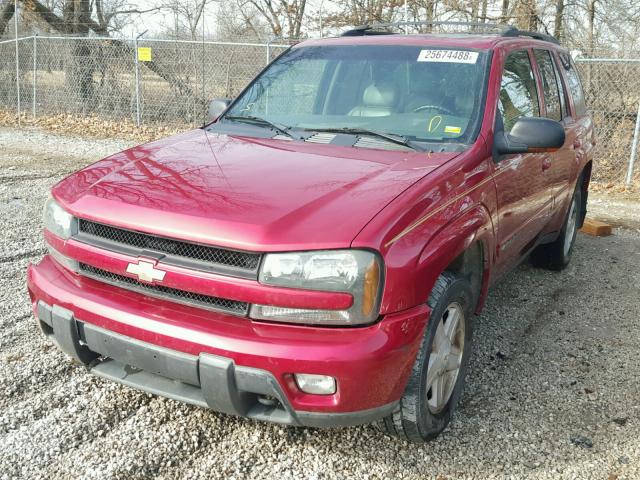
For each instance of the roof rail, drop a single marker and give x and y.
(375, 28)
(478, 27)
(514, 32)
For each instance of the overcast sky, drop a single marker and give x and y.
(157, 22)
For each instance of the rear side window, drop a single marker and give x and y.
(561, 89)
(575, 87)
(549, 84)
(518, 94)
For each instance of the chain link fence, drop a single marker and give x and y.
(169, 82)
(612, 91)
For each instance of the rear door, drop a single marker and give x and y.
(522, 198)
(557, 165)
(580, 126)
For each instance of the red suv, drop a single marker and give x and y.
(316, 254)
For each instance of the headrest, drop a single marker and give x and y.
(379, 96)
(464, 101)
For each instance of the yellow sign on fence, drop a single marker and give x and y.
(144, 54)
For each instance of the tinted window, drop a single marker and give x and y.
(518, 94)
(563, 95)
(575, 87)
(549, 84)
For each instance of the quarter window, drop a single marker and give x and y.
(561, 89)
(518, 93)
(575, 87)
(549, 84)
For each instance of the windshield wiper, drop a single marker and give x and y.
(261, 122)
(391, 137)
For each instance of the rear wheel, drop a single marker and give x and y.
(437, 379)
(556, 255)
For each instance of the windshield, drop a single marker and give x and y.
(418, 93)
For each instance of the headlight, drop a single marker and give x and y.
(357, 272)
(57, 220)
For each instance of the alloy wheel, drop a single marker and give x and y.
(445, 358)
(572, 222)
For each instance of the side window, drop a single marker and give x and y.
(549, 84)
(563, 96)
(575, 87)
(518, 93)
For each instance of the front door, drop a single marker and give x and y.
(555, 102)
(523, 200)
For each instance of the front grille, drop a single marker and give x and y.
(160, 291)
(244, 261)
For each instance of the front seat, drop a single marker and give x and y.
(377, 101)
(464, 102)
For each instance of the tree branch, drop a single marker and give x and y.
(6, 14)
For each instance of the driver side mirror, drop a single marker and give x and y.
(217, 106)
(530, 135)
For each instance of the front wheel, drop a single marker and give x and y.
(556, 255)
(437, 378)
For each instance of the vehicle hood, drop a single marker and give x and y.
(245, 193)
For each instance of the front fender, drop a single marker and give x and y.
(410, 284)
(471, 226)
(430, 224)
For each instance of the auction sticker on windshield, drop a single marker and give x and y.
(448, 56)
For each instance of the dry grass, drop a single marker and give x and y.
(91, 126)
(618, 190)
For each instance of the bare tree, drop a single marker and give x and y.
(359, 12)
(6, 14)
(591, 20)
(558, 19)
(284, 17)
(114, 15)
(234, 22)
(187, 15)
(526, 15)
(75, 18)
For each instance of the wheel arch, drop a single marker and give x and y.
(470, 263)
(464, 246)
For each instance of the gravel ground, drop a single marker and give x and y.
(553, 389)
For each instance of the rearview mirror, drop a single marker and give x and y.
(530, 135)
(216, 108)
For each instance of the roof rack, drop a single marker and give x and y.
(514, 32)
(377, 28)
(477, 27)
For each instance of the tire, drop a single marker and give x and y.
(557, 255)
(419, 417)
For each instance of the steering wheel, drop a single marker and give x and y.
(432, 107)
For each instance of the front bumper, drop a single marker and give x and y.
(230, 364)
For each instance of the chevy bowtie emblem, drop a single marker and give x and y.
(146, 271)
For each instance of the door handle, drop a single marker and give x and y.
(546, 164)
